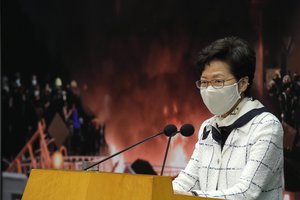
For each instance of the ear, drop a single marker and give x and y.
(243, 85)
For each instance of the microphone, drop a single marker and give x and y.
(186, 130)
(170, 130)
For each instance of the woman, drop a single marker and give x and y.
(239, 150)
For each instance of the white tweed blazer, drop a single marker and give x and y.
(250, 166)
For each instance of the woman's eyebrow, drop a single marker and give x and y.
(218, 75)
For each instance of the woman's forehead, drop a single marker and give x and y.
(216, 69)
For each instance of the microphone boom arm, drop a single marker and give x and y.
(109, 157)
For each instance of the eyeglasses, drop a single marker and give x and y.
(217, 84)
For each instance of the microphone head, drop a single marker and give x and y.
(170, 130)
(187, 130)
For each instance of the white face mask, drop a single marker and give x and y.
(220, 101)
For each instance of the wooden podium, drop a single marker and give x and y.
(86, 185)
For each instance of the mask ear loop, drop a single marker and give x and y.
(234, 111)
(239, 83)
(238, 87)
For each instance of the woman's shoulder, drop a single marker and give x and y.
(267, 117)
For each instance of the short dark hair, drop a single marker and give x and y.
(234, 51)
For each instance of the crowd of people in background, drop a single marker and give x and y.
(26, 102)
(285, 94)
(285, 91)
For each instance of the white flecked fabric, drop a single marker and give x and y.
(250, 166)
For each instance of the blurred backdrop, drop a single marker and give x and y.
(98, 76)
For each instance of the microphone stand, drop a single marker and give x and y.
(165, 158)
(101, 161)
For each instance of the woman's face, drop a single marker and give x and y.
(219, 70)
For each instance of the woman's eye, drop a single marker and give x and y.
(218, 81)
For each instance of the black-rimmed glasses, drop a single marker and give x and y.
(217, 84)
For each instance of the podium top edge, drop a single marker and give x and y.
(98, 172)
